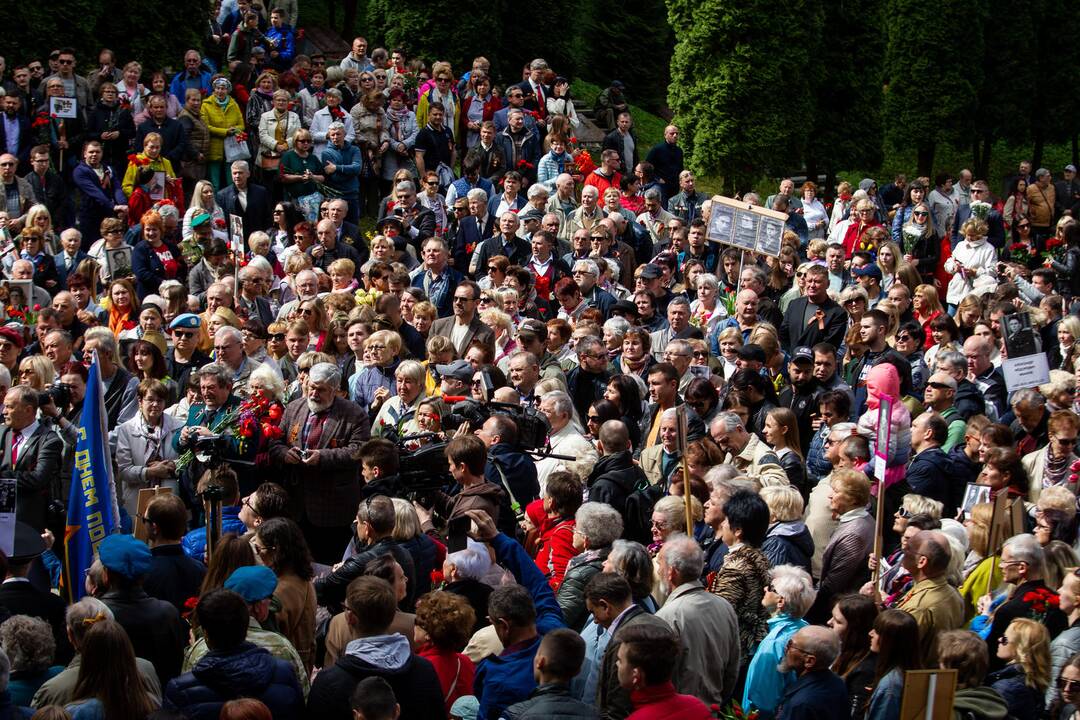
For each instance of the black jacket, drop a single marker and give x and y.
(571, 593)
(518, 469)
(477, 593)
(154, 626)
(173, 577)
(412, 678)
(173, 142)
(930, 473)
(789, 543)
(585, 388)
(259, 207)
(803, 401)
(794, 332)
(102, 119)
(549, 701)
(330, 589)
(968, 401)
(991, 385)
(613, 478)
(22, 598)
(246, 671)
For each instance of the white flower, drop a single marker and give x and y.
(980, 209)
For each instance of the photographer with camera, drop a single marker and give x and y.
(319, 452)
(467, 458)
(507, 464)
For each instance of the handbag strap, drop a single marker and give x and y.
(457, 674)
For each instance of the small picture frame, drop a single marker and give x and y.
(973, 495)
(721, 224)
(236, 234)
(20, 293)
(157, 186)
(118, 262)
(66, 108)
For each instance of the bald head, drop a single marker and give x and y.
(820, 641)
(930, 553)
(977, 351)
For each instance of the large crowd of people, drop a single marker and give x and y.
(534, 446)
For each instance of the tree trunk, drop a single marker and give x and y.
(349, 23)
(925, 161)
(829, 190)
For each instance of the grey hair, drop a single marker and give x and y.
(684, 556)
(1041, 172)
(241, 164)
(412, 370)
(1024, 548)
(669, 414)
(517, 220)
(28, 642)
(951, 359)
(336, 125)
(728, 421)
(759, 274)
(631, 560)
(5, 671)
(217, 371)
(652, 194)
(725, 479)
(1028, 397)
(270, 379)
(591, 189)
(228, 332)
(590, 343)
(536, 190)
(89, 608)
(323, 372)
(405, 185)
(71, 232)
(477, 194)
(613, 268)
(599, 522)
(259, 263)
(796, 586)
(844, 428)
(106, 342)
(752, 198)
(470, 563)
(530, 358)
(591, 267)
(708, 279)
(334, 92)
(821, 642)
(5, 377)
(560, 402)
(617, 325)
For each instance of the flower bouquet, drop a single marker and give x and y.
(584, 162)
(911, 236)
(980, 209)
(1055, 249)
(1020, 253)
(257, 413)
(367, 297)
(733, 711)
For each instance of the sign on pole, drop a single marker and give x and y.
(745, 226)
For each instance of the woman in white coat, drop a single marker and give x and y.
(320, 121)
(144, 445)
(973, 264)
(278, 126)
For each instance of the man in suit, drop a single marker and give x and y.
(464, 326)
(255, 280)
(536, 92)
(69, 258)
(320, 452)
(515, 98)
(31, 455)
(15, 130)
(174, 577)
(328, 249)
(347, 233)
(246, 199)
(507, 242)
(813, 318)
(22, 594)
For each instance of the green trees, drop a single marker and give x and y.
(740, 85)
(155, 33)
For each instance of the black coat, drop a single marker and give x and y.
(259, 207)
(173, 142)
(22, 598)
(173, 577)
(154, 626)
(613, 478)
(330, 589)
(795, 333)
(968, 401)
(930, 473)
(103, 118)
(789, 543)
(549, 701)
(571, 594)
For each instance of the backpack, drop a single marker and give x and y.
(638, 512)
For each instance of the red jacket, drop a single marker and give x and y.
(854, 234)
(661, 702)
(455, 672)
(555, 548)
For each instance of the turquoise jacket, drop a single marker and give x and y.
(764, 683)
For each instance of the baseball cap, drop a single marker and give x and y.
(651, 272)
(532, 214)
(802, 354)
(871, 270)
(1070, 168)
(533, 327)
(624, 307)
(459, 370)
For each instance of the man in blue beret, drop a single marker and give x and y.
(185, 357)
(256, 584)
(157, 633)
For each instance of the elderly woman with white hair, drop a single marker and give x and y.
(29, 645)
(500, 324)
(788, 540)
(705, 311)
(787, 598)
(596, 526)
(322, 119)
(397, 416)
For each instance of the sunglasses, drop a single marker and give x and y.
(183, 334)
(277, 337)
(920, 214)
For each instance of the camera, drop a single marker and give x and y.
(211, 449)
(422, 472)
(58, 395)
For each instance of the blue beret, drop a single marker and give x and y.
(126, 555)
(188, 321)
(252, 582)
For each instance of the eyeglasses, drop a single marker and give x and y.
(904, 513)
(593, 418)
(792, 646)
(1003, 640)
(278, 211)
(939, 386)
(1065, 441)
(376, 346)
(770, 588)
(431, 183)
(66, 62)
(183, 334)
(701, 354)
(458, 298)
(250, 506)
(1023, 226)
(1067, 685)
(904, 338)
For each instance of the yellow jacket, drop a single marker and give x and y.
(219, 122)
(975, 586)
(162, 163)
(422, 111)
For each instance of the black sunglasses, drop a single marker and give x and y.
(277, 337)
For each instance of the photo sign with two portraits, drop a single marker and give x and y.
(745, 226)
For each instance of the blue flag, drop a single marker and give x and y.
(92, 510)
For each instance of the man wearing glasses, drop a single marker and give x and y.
(935, 604)
(516, 249)
(464, 326)
(515, 98)
(74, 86)
(940, 397)
(980, 192)
(185, 357)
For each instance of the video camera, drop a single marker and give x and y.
(533, 427)
(423, 471)
(58, 395)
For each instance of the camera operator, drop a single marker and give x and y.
(455, 378)
(373, 538)
(467, 457)
(507, 465)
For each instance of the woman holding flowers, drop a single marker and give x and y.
(921, 244)
(150, 157)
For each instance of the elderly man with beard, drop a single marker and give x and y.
(319, 451)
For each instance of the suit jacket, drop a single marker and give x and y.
(262, 311)
(63, 270)
(259, 206)
(22, 598)
(477, 331)
(202, 277)
(37, 467)
(794, 332)
(326, 494)
(25, 140)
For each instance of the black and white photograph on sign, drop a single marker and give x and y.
(157, 186)
(746, 228)
(118, 262)
(63, 107)
(769, 235)
(721, 223)
(1019, 335)
(19, 292)
(236, 232)
(973, 495)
